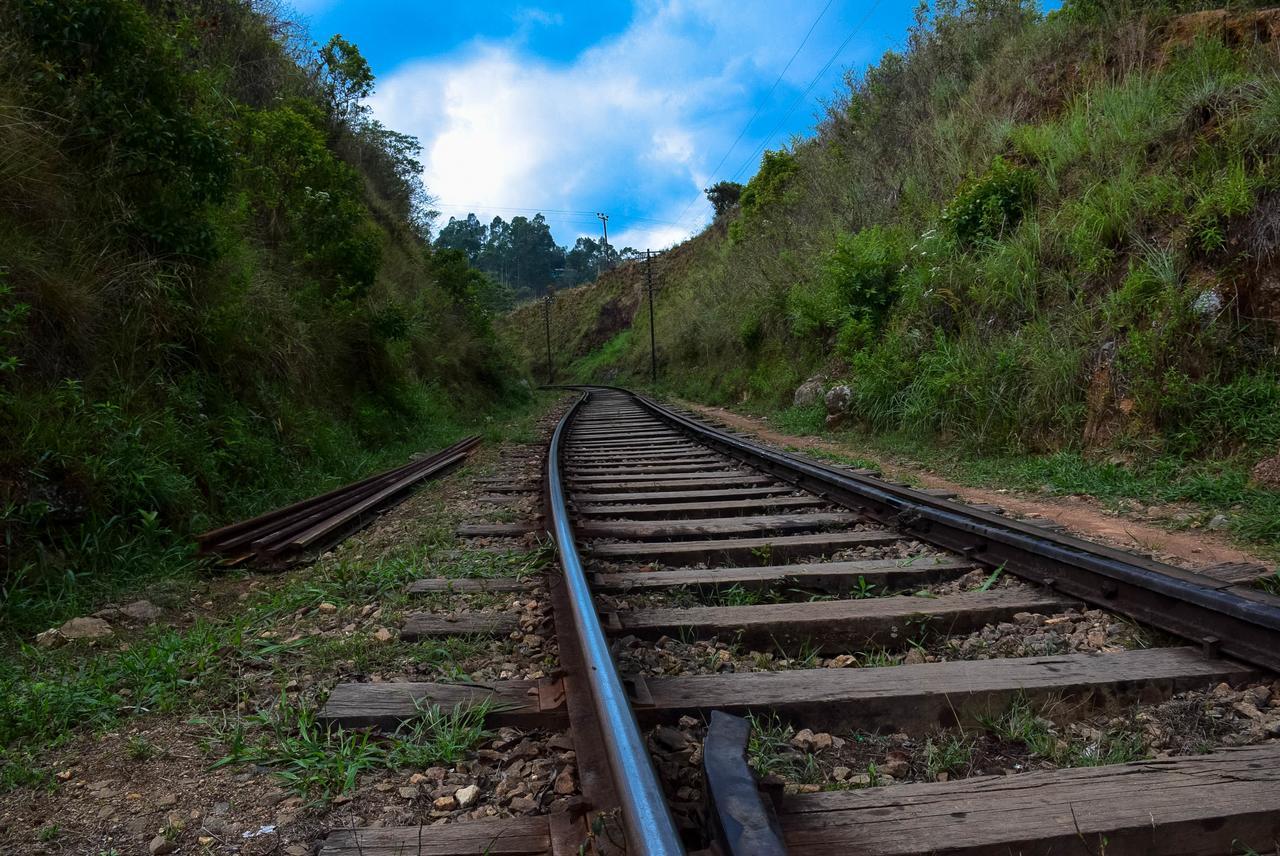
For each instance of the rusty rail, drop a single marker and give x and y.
(282, 536)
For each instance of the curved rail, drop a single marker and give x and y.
(650, 827)
(1222, 617)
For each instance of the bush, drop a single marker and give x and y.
(855, 286)
(302, 193)
(768, 188)
(135, 112)
(987, 207)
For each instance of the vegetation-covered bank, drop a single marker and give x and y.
(216, 288)
(1026, 233)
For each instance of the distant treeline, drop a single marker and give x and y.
(523, 257)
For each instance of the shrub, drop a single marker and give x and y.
(988, 206)
(135, 114)
(855, 286)
(768, 187)
(303, 194)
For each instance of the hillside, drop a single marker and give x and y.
(1024, 234)
(216, 289)
(593, 325)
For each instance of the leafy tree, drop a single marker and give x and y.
(535, 253)
(346, 78)
(469, 236)
(582, 262)
(723, 195)
(305, 196)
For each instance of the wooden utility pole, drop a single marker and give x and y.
(653, 339)
(604, 251)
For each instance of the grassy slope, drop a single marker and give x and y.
(213, 298)
(207, 659)
(1026, 236)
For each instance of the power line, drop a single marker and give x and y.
(763, 102)
(585, 215)
(803, 95)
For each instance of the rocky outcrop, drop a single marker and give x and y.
(810, 392)
(837, 401)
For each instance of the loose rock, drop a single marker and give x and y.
(141, 610)
(466, 797)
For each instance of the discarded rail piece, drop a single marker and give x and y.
(283, 536)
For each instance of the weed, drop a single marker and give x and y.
(950, 753)
(862, 589)
(737, 595)
(433, 736)
(1021, 723)
(139, 748)
(1270, 583)
(991, 579)
(877, 658)
(308, 759)
(769, 748)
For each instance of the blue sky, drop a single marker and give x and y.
(623, 107)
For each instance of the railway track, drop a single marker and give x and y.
(717, 599)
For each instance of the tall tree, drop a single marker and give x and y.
(723, 195)
(469, 235)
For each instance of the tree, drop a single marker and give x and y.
(582, 262)
(535, 254)
(469, 235)
(723, 195)
(390, 160)
(346, 77)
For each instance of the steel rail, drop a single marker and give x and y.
(650, 828)
(1218, 615)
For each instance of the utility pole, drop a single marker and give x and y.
(604, 253)
(653, 339)
(546, 318)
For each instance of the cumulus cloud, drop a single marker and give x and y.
(631, 125)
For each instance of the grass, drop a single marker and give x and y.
(320, 763)
(1022, 723)
(209, 665)
(106, 558)
(769, 747)
(950, 753)
(1109, 309)
(1208, 487)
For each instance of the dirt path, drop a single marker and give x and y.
(1080, 515)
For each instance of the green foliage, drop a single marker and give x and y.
(987, 207)
(723, 196)
(1022, 723)
(302, 193)
(135, 112)
(346, 76)
(216, 291)
(767, 189)
(436, 736)
(949, 753)
(317, 762)
(855, 286)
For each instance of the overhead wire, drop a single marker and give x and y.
(805, 94)
(761, 104)
(557, 211)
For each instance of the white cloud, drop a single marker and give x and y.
(632, 124)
